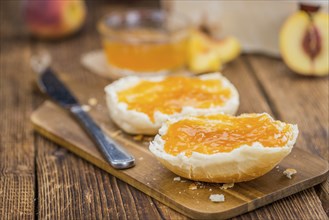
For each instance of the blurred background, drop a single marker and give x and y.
(215, 33)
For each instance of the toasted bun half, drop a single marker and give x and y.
(244, 163)
(137, 122)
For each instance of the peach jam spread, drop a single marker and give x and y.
(171, 94)
(223, 133)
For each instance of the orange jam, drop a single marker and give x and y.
(173, 93)
(145, 57)
(223, 133)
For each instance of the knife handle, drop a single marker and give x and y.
(112, 151)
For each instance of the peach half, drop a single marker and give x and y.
(207, 54)
(304, 43)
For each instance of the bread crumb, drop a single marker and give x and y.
(217, 198)
(92, 101)
(289, 172)
(138, 137)
(227, 185)
(141, 158)
(200, 185)
(177, 179)
(116, 133)
(210, 190)
(192, 187)
(85, 108)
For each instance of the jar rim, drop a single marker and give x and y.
(173, 25)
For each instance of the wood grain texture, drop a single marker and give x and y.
(309, 96)
(17, 174)
(72, 188)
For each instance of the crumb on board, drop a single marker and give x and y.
(192, 187)
(116, 133)
(138, 137)
(177, 179)
(217, 198)
(92, 101)
(200, 185)
(289, 172)
(210, 190)
(227, 185)
(141, 158)
(85, 108)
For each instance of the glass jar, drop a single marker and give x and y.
(144, 41)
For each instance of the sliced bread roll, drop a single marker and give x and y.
(222, 148)
(139, 105)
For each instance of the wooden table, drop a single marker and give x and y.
(39, 179)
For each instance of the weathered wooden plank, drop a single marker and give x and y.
(301, 100)
(298, 206)
(17, 175)
(72, 188)
(323, 193)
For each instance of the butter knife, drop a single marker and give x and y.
(115, 154)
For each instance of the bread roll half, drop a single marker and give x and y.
(245, 162)
(133, 121)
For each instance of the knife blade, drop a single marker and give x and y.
(55, 89)
(114, 153)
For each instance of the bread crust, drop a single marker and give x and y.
(241, 164)
(135, 122)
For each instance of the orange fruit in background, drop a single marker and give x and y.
(206, 54)
(304, 43)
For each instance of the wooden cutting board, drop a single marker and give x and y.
(156, 181)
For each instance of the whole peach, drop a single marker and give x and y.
(54, 19)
